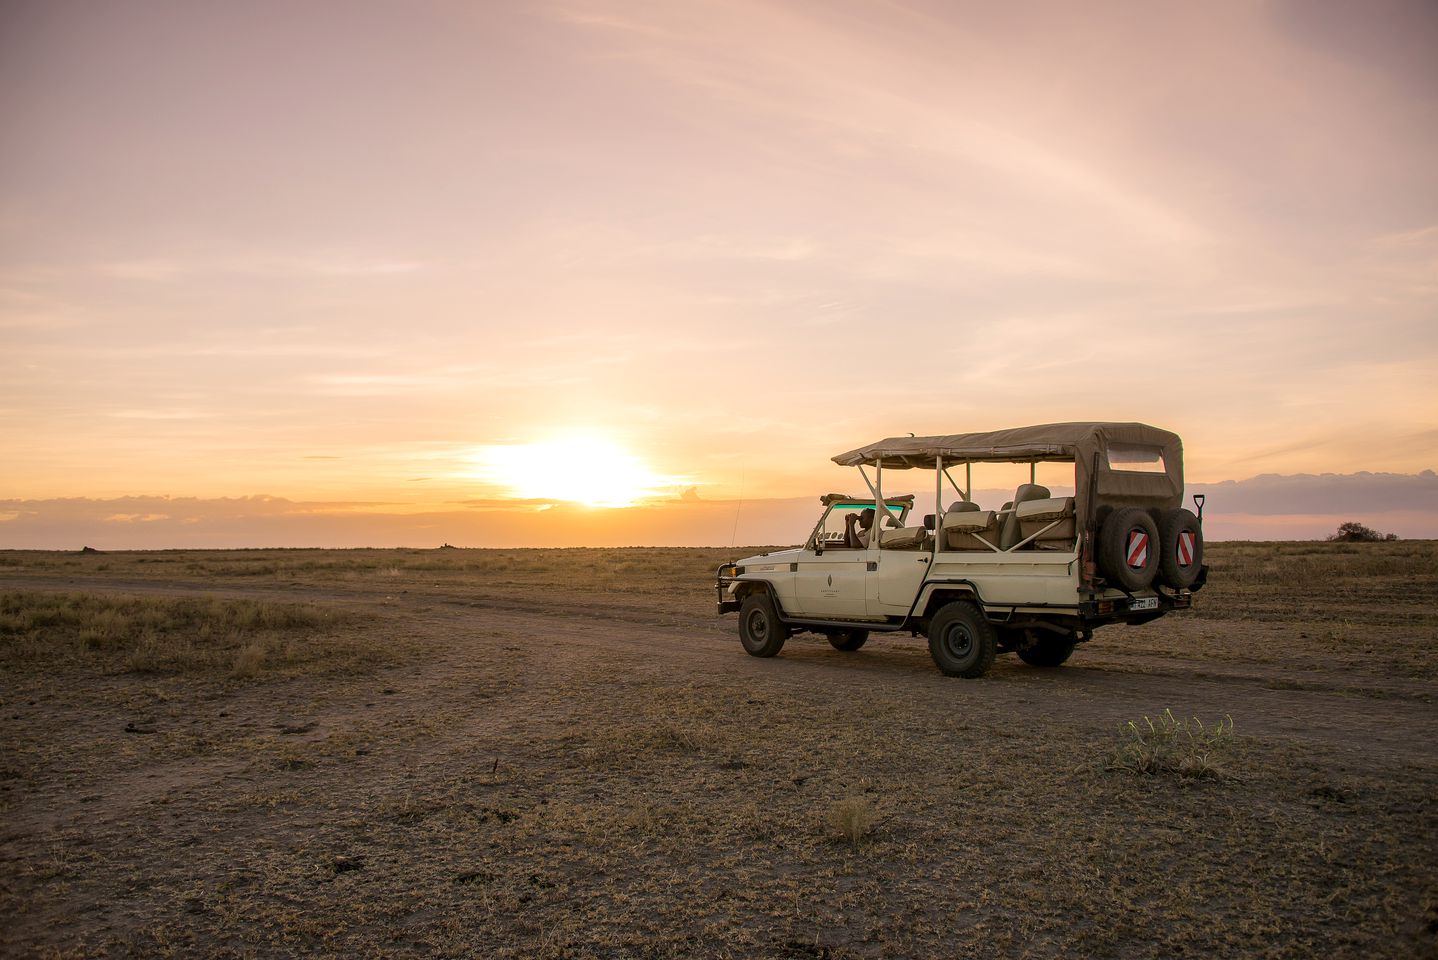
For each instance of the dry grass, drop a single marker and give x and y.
(162, 635)
(851, 819)
(582, 763)
(1366, 609)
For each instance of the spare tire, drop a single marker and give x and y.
(1180, 548)
(1127, 548)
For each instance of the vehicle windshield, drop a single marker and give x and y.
(830, 531)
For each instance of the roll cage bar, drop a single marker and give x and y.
(941, 473)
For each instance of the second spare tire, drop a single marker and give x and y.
(1180, 555)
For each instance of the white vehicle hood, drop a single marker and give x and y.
(778, 560)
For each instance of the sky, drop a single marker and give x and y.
(382, 272)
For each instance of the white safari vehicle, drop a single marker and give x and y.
(1033, 576)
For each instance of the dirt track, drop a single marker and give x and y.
(606, 774)
(1330, 707)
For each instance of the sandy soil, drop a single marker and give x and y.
(567, 754)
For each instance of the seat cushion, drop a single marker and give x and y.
(962, 530)
(1053, 508)
(1050, 522)
(905, 538)
(969, 520)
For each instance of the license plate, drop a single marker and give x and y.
(1144, 603)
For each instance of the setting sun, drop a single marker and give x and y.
(582, 469)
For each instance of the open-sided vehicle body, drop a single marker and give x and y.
(1034, 575)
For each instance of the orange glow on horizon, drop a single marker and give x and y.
(584, 469)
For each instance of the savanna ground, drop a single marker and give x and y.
(564, 753)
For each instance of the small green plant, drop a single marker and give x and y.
(1168, 745)
(852, 819)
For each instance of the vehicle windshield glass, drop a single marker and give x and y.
(1136, 458)
(831, 527)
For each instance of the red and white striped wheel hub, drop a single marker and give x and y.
(1185, 548)
(1137, 552)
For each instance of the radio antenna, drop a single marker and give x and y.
(739, 506)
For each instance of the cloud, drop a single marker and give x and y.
(1264, 507)
(155, 270)
(1328, 494)
(162, 269)
(139, 414)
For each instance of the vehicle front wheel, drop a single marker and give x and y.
(962, 641)
(1047, 652)
(760, 630)
(847, 640)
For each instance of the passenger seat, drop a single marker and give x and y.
(1009, 533)
(963, 528)
(1036, 515)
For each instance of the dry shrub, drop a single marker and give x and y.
(851, 819)
(1185, 748)
(249, 661)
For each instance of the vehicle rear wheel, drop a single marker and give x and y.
(847, 640)
(1180, 545)
(962, 641)
(1047, 652)
(760, 630)
(1127, 548)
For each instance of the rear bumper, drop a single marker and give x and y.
(1133, 609)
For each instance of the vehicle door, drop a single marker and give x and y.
(893, 586)
(829, 579)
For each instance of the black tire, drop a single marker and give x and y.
(961, 641)
(760, 630)
(1009, 639)
(847, 640)
(1119, 543)
(1047, 652)
(1180, 538)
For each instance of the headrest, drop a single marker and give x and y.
(963, 506)
(1030, 491)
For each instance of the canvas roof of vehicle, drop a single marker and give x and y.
(1087, 445)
